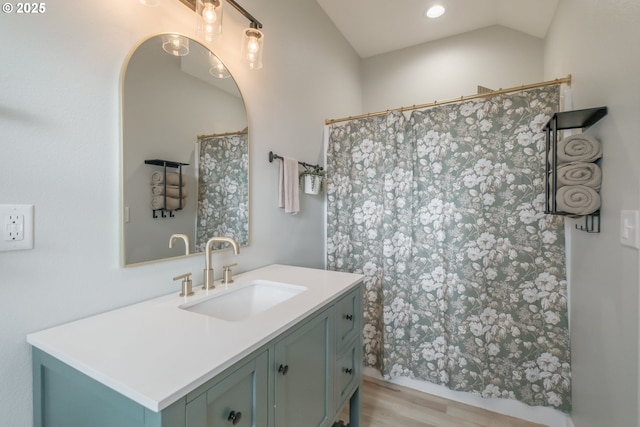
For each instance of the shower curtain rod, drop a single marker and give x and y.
(216, 135)
(566, 80)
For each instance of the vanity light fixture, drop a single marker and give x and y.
(252, 39)
(251, 49)
(175, 45)
(435, 11)
(209, 16)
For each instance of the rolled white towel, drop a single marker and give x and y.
(172, 190)
(157, 202)
(579, 148)
(173, 178)
(580, 173)
(577, 200)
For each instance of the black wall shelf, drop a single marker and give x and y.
(578, 118)
(575, 119)
(167, 164)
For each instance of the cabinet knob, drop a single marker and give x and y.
(348, 316)
(283, 369)
(348, 371)
(234, 417)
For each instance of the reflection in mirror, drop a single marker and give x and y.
(183, 110)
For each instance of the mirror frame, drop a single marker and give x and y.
(123, 215)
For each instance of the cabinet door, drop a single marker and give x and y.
(303, 375)
(239, 400)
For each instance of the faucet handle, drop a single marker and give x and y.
(187, 285)
(226, 273)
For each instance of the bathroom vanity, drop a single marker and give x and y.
(291, 359)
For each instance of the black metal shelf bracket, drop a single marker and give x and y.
(591, 223)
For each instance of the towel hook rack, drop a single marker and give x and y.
(273, 156)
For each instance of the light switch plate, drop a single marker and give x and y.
(16, 227)
(629, 222)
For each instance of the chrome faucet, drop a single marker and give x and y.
(208, 270)
(184, 237)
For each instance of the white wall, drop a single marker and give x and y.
(596, 41)
(494, 57)
(59, 146)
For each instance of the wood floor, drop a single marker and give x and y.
(386, 405)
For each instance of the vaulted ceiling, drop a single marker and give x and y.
(373, 27)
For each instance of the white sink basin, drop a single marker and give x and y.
(245, 300)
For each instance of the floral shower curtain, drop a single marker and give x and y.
(464, 274)
(223, 189)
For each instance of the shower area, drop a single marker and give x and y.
(442, 210)
(223, 188)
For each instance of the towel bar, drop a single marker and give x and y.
(273, 156)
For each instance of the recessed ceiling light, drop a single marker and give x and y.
(435, 11)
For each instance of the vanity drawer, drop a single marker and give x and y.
(348, 318)
(347, 372)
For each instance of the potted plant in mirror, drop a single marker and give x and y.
(313, 180)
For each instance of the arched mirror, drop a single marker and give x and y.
(185, 153)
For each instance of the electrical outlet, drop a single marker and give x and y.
(17, 227)
(14, 227)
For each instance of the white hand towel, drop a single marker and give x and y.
(577, 200)
(157, 202)
(173, 178)
(172, 190)
(288, 188)
(580, 147)
(580, 173)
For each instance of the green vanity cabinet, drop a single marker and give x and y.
(303, 380)
(240, 400)
(302, 377)
(65, 397)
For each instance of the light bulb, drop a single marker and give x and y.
(209, 17)
(209, 14)
(253, 45)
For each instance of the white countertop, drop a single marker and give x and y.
(155, 353)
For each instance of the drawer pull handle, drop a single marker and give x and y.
(283, 369)
(348, 317)
(234, 417)
(348, 371)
